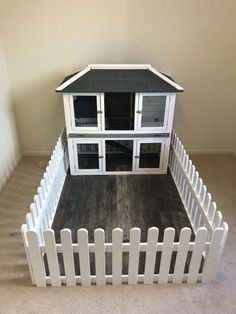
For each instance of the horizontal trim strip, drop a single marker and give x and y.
(135, 135)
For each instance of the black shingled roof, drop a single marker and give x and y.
(118, 80)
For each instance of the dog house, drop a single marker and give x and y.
(119, 119)
(88, 229)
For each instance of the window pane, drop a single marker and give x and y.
(88, 156)
(150, 154)
(85, 109)
(153, 111)
(119, 111)
(119, 155)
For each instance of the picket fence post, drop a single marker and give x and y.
(135, 234)
(68, 257)
(99, 241)
(117, 239)
(82, 236)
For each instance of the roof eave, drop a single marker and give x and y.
(118, 66)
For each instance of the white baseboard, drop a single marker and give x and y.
(33, 153)
(10, 173)
(210, 152)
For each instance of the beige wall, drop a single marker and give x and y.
(9, 148)
(194, 41)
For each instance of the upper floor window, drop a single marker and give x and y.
(119, 111)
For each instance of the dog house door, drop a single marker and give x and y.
(150, 154)
(152, 113)
(85, 111)
(87, 156)
(119, 155)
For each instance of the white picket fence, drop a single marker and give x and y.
(202, 255)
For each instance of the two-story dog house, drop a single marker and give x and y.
(118, 119)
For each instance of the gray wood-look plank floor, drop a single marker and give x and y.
(123, 201)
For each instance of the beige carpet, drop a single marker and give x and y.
(17, 295)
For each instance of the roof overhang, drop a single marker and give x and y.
(173, 86)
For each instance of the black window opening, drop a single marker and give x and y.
(119, 111)
(88, 156)
(150, 154)
(85, 110)
(119, 155)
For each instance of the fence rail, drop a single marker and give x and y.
(191, 261)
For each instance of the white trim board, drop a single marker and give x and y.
(35, 153)
(10, 172)
(165, 78)
(73, 78)
(118, 66)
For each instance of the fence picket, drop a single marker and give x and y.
(217, 220)
(196, 217)
(117, 238)
(189, 173)
(25, 242)
(47, 184)
(50, 208)
(50, 170)
(33, 212)
(199, 187)
(210, 264)
(188, 202)
(51, 251)
(174, 168)
(135, 234)
(185, 195)
(197, 255)
(99, 240)
(182, 252)
(68, 257)
(203, 195)
(195, 182)
(43, 186)
(84, 260)
(29, 221)
(207, 203)
(168, 240)
(40, 194)
(192, 211)
(211, 212)
(36, 258)
(150, 260)
(37, 204)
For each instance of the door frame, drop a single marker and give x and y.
(139, 113)
(104, 154)
(163, 155)
(72, 146)
(100, 111)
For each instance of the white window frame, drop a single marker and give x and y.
(72, 146)
(100, 113)
(163, 157)
(70, 121)
(74, 167)
(169, 109)
(104, 154)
